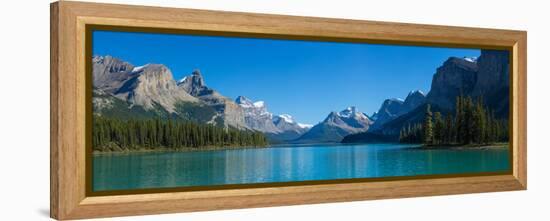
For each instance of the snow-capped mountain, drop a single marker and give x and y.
(278, 127)
(289, 128)
(256, 115)
(287, 119)
(336, 126)
(253, 109)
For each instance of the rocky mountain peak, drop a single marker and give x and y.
(414, 99)
(390, 109)
(470, 59)
(395, 107)
(194, 84)
(247, 103)
(257, 117)
(456, 76)
(153, 84)
(352, 112)
(332, 116)
(349, 111)
(493, 72)
(196, 72)
(349, 115)
(415, 93)
(337, 125)
(286, 117)
(155, 71)
(109, 73)
(392, 105)
(242, 100)
(463, 63)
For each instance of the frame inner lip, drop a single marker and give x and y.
(89, 28)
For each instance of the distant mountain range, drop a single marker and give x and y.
(279, 128)
(395, 107)
(125, 91)
(336, 126)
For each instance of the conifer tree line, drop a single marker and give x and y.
(472, 123)
(162, 133)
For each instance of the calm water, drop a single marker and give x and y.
(286, 163)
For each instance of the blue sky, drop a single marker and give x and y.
(305, 79)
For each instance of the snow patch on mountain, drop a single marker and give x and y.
(352, 112)
(470, 59)
(259, 104)
(139, 68)
(287, 118)
(336, 126)
(279, 127)
(305, 126)
(182, 80)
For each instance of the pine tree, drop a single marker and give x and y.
(473, 124)
(133, 134)
(428, 127)
(438, 130)
(459, 118)
(449, 132)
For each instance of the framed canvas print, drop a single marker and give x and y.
(159, 110)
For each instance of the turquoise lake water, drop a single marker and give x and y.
(286, 163)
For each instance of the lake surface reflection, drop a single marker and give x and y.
(286, 163)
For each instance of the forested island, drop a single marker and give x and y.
(110, 134)
(472, 125)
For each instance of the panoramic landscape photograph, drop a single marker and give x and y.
(179, 110)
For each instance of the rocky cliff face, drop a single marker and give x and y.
(110, 73)
(493, 72)
(147, 85)
(152, 89)
(456, 76)
(486, 77)
(493, 83)
(336, 126)
(153, 84)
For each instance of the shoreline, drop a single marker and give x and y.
(466, 147)
(192, 149)
(184, 149)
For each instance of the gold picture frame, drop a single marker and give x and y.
(70, 197)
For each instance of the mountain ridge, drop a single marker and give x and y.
(336, 126)
(279, 128)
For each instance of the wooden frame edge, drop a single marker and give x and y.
(522, 109)
(68, 200)
(54, 129)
